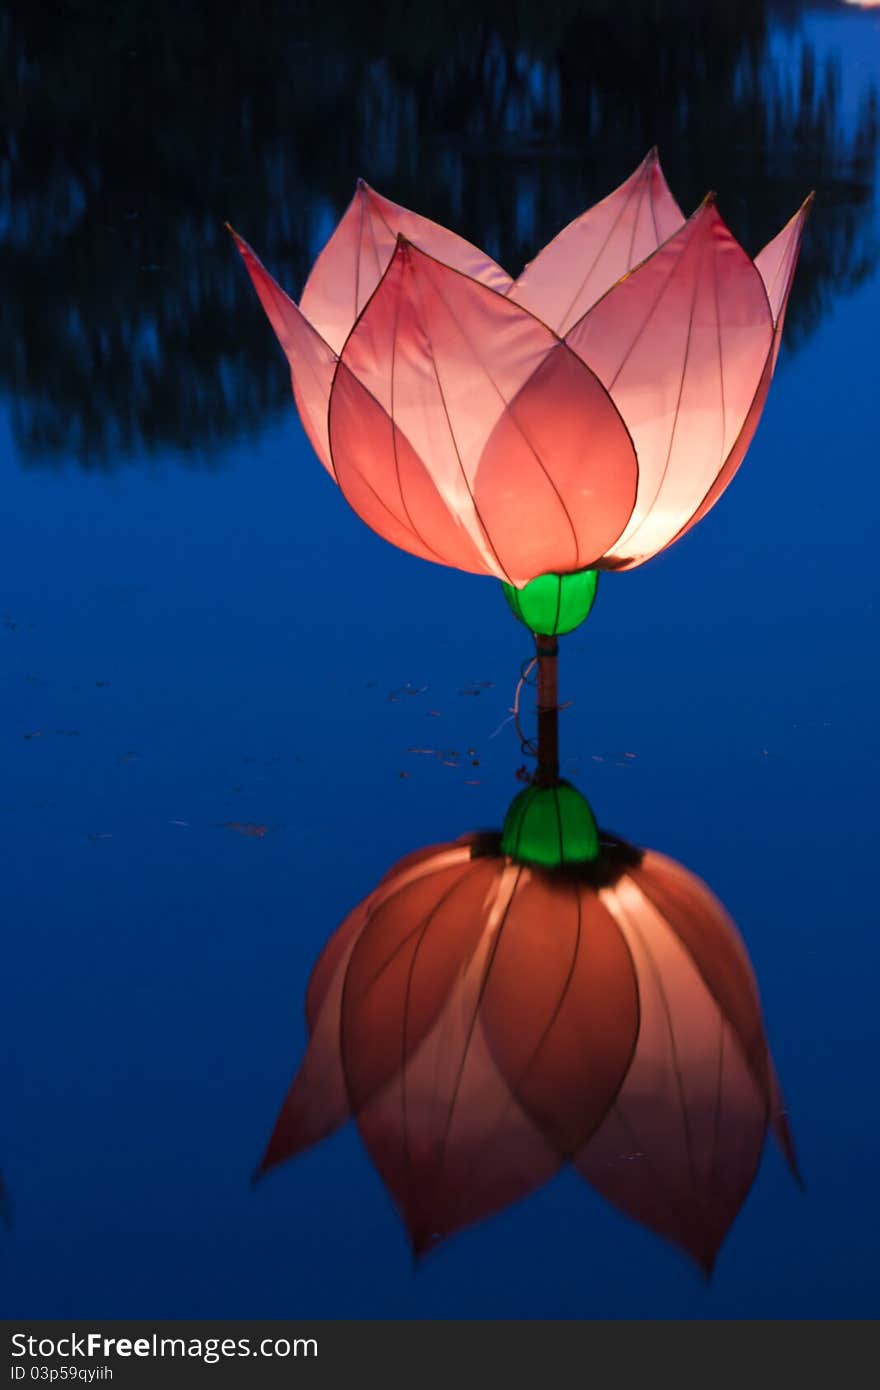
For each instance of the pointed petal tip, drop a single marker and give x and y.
(265, 1166)
(421, 1244)
(243, 247)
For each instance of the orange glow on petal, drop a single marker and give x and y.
(560, 1009)
(476, 404)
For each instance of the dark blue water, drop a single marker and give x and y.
(197, 636)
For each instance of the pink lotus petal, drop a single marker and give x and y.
(312, 362)
(318, 1100)
(592, 253)
(713, 943)
(776, 264)
(448, 1139)
(681, 1146)
(560, 1008)
(407, 962)
(681, 345)
(357, 255)
(463, 430)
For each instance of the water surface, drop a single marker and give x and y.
(216, 681)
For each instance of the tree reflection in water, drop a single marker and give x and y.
(133, 129)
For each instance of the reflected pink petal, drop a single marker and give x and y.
(357, 255)
(451, 406)
(407, 963)
(681, 345)
(707, 933)
(449, 1141)
(681, 1147)
(589, 255)
(561, 1010)
(312, 362)
(317, 1102)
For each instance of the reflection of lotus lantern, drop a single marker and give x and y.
(486, 1018)
(581, 417)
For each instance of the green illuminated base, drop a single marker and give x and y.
(553, 604)
(550, 826)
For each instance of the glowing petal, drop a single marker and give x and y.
(312, 362)
(451, 1144)
(681, 345)
(776, 265)
(463, 430)
(317, 1102)
(597, 248)
(777, 262)
(681, 1147)
(709, 936)
(357, 255)
(406, 964)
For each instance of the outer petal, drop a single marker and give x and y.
(407, 964)
(599, 247)
(776, 265)
(712, 941)
(681, 345)
(463, 430)
(312, 362)
(680, 1150)
(561, 1010)
(449, 1140)
(355, 258)
(777, 262)
(317, 1102)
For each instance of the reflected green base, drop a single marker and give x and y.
(553, 604)
(550, 826)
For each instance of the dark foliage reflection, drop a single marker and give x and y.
(132, 129)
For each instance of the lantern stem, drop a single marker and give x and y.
(548, 711)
